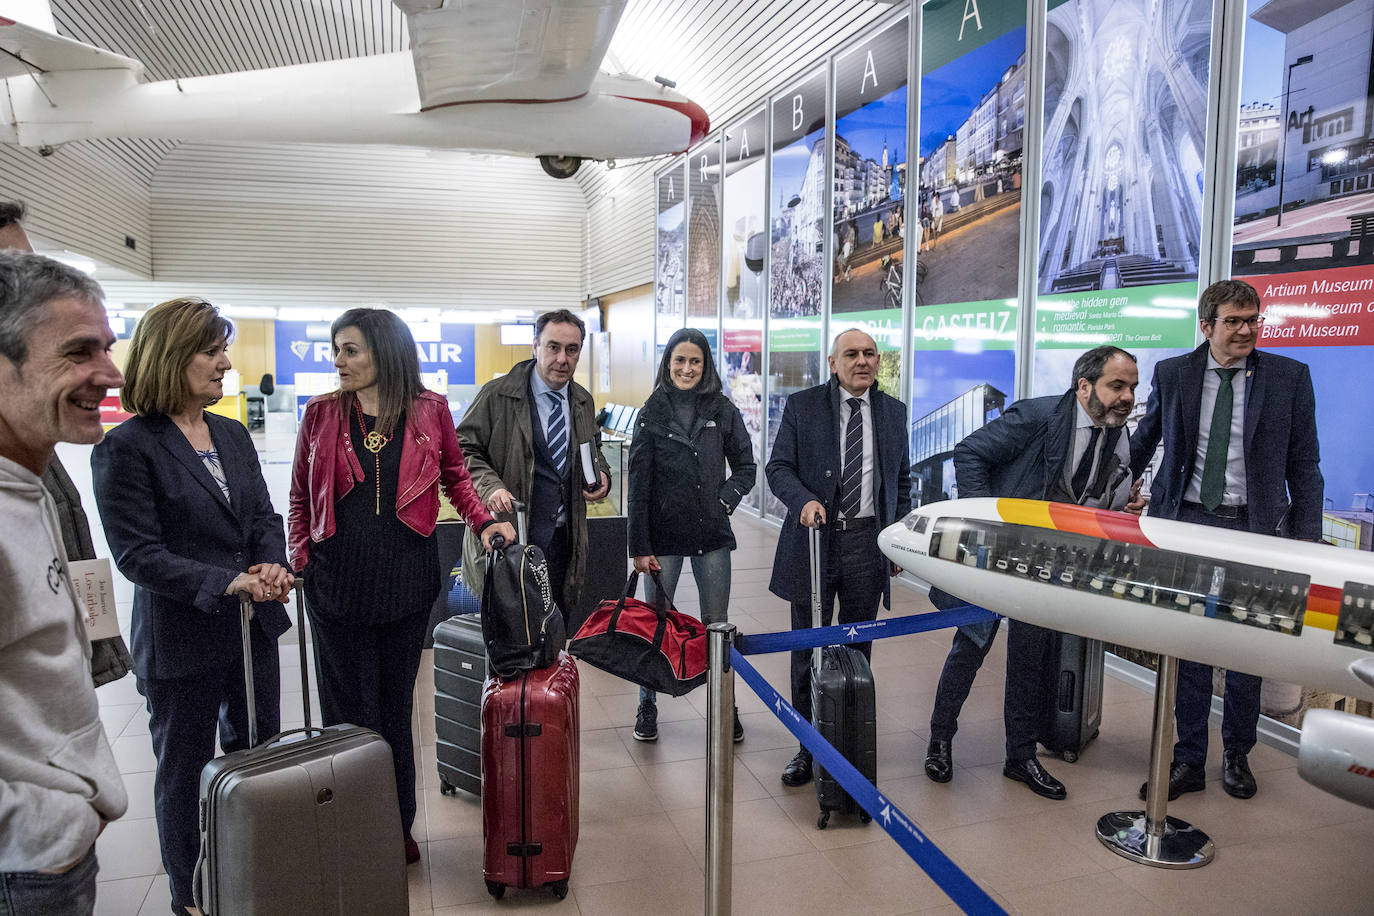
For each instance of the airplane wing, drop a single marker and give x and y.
(507, 50)
(25, 49)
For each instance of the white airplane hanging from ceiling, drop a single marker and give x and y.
(515, 77)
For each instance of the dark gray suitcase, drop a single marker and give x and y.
(304, 824)
(1074, 694)
(460, 670)
(844, 708)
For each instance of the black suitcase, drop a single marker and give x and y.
(460, 670)
(1073, 696)
(843, 709)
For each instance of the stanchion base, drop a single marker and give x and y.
(1181, 846)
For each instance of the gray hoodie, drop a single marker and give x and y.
(58, 777)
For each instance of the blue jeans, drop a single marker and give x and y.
(72, 893)
(712, 572)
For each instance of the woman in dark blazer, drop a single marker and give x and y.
(680, 499)
(189, 522)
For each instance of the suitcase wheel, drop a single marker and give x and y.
(560, 889)
(496, 889)
(822, 819)
(1070, 756)
(446, 787)
(864, 816)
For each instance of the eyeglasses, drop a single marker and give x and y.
(1233, 323)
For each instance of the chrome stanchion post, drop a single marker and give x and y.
(720, 766)
(1151, 837)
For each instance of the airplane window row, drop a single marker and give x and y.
(1256, 596)
(1355, 623)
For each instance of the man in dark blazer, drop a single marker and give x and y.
(1067, 448)
(855, 492)
(1240, 452)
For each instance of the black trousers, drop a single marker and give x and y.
(367, 677)
(1024, 699)
(558, 553)
(1193, 700)
(855, 573)
(184, 715)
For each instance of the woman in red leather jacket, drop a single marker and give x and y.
(370, 459)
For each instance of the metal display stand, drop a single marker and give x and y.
(1151, 837)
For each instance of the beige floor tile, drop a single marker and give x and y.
(122, 897)
(900, 754)
(762, 830)
(449, 816)
(794, 885)
(115, 717)
(158, 902)
(675, 891)
(1093, 893)
(620, 709)
(627, 849)
(840, 830)
(763, 731)
(885, 878)
(128, 848)
(454, 871)
(681, 740)
(1012, 853)
(134, 754)
(682, 783)
(602, 749)
(139, 787)
(612, 795)
(121, 692)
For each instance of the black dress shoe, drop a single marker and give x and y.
(1036, 777)
(798, 771)
(1183, 777)
(1236, 777)
(939, 760)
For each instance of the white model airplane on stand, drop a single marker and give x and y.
(1270, 606)
(516, 77)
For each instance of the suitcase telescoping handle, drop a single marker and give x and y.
(245, 633)
(498, 542)
(814, 542)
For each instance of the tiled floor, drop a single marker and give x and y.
(1291, 849)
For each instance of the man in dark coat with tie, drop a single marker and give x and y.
(1240, 452)
(854, 490)
(1068, 448)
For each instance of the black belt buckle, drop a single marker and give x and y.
(855, 524)
(1231, 512)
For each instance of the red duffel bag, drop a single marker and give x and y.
(656, 647)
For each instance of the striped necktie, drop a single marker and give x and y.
(851, 477)
(558, 433)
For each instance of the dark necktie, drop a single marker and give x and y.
(1218, 442)
(558, 433)
(1083, 473)
(851, 475)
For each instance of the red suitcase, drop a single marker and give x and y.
(530, 777)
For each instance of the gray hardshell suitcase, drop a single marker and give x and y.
(460, 670)
(306, 823)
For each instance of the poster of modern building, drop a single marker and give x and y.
(670, 267)
(1305, 177)
(1125, 119)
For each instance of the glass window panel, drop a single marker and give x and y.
(973, 96)
(1121, 194)
(796, 233)
(703, 241)
(744, 208)
(670, 271)
(869, 192)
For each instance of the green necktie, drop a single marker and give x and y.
(1218, 442)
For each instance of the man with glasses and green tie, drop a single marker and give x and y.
(1240, 452)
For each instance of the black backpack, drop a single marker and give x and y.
(521, 625)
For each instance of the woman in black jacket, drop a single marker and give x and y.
(680, 499)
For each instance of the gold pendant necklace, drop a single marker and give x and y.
(374, 442)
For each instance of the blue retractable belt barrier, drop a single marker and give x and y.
(960, 887)
(862, 632)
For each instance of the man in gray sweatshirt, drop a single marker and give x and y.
(59, 784)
